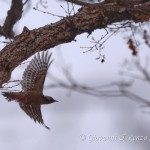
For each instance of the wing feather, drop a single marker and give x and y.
(35, 73)
(34, 112)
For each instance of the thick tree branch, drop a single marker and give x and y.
(13, 15)
(88, 18)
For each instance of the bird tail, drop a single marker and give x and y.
(10, 96)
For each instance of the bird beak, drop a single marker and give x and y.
(56, 101)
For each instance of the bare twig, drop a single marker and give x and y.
(4, 87)
(48, 13)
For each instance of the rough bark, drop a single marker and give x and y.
(87, 19)
(13, 15)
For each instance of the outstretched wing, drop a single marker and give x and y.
(34, 112)
(35, 73)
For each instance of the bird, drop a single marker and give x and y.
(31, 97)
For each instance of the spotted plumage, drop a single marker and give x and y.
(31, 97)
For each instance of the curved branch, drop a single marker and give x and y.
(87, 19)
(13, 15)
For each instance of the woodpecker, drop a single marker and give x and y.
(31, 97)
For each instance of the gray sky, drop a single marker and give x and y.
(78, 121)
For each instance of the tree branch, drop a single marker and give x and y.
(13, 15)
(87, 19)
(78, 2)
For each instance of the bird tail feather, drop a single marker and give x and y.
(10, 96)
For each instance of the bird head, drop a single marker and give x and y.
(49, 99)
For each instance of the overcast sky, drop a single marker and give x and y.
(78, 121)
